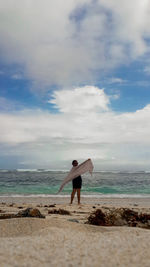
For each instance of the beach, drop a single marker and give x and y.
(66, 240)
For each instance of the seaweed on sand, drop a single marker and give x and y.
(29, 212)
(119, 217)
(59, 211)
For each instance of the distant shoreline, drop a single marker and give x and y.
(86, 196)
(65, 171)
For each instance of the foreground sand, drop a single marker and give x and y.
(64, 240)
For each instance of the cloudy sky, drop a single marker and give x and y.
(75, 83)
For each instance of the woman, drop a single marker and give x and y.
(76, 184)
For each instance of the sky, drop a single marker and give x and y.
(75, 84)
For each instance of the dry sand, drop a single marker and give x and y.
(57, 241)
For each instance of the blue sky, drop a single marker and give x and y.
(75, 83)
(131, 83)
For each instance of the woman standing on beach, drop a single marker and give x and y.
(76, 184)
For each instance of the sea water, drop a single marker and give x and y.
(101, 184)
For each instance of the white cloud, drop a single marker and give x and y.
(80, 100)
(9, 105)
(66, 42)
(47, 139)
(131, 20)
(16, 76)
(5, 104)
(116, 80)
(147, 70)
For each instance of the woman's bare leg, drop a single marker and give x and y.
(72, 195)
(78, 195)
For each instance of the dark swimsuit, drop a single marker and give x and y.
(77, 182)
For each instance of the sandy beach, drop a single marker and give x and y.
(65, 240)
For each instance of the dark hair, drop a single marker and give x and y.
(73, 162)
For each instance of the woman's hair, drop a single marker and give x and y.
(74, 161)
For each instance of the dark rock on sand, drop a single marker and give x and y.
(73, 220)
(97, 218)
(50, 206)
(11, 205)
(30, 212)
(59, 211)
(7, 216)
(119, 217)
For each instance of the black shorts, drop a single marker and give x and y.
(77, 182)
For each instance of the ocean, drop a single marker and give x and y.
(101, 184)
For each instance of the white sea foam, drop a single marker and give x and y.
(84, 196)
(34, 170)
(64, 171)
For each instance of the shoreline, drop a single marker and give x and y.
(64, 200)
(120, 196)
